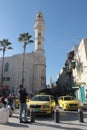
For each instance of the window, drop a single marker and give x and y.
(8, 79)
(6, 67)
(3, 78)
(39, 16)
(39, 43)
(52, 98)
(39, 34)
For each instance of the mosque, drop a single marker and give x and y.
(35, 64)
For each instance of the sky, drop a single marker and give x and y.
(65, 23)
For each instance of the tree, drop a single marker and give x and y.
(26, 38)
(4, 45)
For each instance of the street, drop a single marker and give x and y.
(68, 121)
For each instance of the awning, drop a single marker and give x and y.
(76, 87)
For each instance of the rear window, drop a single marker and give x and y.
(69, 98)
(40, 98)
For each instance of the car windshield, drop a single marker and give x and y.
(69, 98)
(40, 98)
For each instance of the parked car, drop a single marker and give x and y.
(68, 103)
(17, 102)
(42, 104)
(84, 107)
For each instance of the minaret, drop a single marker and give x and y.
(39, 29)
(40, 60)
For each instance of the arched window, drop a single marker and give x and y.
(6, 67)
(39, 34)
(39, 43)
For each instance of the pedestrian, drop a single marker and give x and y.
(3, 101)
(4, 111)
(10, 100)
(10, 104)
(22, 106)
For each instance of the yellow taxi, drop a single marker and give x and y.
(68, 103)
(42, 104)
(17, 102)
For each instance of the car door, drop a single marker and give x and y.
(53, 104)
(60, 101)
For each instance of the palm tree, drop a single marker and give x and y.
(26, 38)
(4, 45)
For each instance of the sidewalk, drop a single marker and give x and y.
(43, 125)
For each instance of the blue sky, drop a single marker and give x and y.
(65, 22)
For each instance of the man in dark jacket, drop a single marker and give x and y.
(22, 105)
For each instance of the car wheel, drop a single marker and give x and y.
(50, 115)
(28, 113)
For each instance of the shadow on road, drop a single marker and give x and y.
(56, 126)
(12, 124)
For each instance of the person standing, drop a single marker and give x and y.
(10, 100)
(10, 104)
(22, 106)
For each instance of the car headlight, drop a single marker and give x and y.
(28, 106)
(66, 104)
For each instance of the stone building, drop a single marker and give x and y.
(73, 76)
(35, 64)
(80, 71)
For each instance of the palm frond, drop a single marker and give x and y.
(8, 43)
(1, 43)
(5, 43)
(10, 48)
(25, 37)
(1, 49)
(30, 41)
(29, 36)
(20, 39)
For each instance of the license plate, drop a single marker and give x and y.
(36, 110)
(74, 106)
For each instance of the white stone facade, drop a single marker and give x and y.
(34, 66)
(80, 71)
